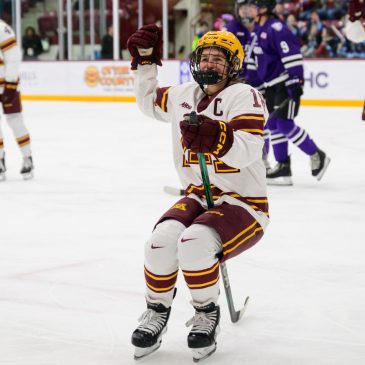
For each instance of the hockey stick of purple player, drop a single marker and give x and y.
(282, 106)
(235, 315)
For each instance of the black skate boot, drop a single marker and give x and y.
(148, 335)
(280, 174)
(27, 168)
(2, 169)
(319, 164)
(201, 338)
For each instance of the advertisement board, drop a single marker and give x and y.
(327, 82)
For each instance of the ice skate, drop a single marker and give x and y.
(319, 163)
(148, 335)
(2, 169)
(202, 336)
(27, 168)
(280, 174)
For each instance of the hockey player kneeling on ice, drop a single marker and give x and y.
(10, 58)
(189, 236)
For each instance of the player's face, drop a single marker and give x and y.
(245, 15)
(253, 11)
(214, 59)
(243, 10)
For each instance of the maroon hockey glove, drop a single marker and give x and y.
(355, 9)
(209, 136)
(9, 93)
(147, 37)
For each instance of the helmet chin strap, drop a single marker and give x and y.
(210, 77)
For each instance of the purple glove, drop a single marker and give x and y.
(149, 36)
(9, 93)
(209, 136)
(355, 10)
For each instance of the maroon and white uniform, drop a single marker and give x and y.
(190, 235)
(10, 58)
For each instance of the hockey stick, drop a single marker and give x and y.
(235, 315)
(171, 190)
(276, 111)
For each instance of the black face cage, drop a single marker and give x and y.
(212, 77)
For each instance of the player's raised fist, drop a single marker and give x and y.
(208, 136)
(145, 46)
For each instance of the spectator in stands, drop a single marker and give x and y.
(332, 9)
(313, 41)
(107, 45)
(306, 8)
(32, 44)
(291, 22)
(312, 36)
(315, 19)
(203, 27)
(329, 44)
(221, 22)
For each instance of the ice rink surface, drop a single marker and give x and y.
(71, 246)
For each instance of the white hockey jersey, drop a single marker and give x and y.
(355, 31)
(239, 177)
(10, 56)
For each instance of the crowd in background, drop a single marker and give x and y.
(318, 24)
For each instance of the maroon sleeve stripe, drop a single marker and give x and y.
(250, 123)
(162, 95)
(9, 43)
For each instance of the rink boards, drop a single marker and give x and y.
(327, 82)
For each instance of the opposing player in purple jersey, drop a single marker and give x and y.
(279, 64)
(242, 27)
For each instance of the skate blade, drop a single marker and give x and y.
(140, 352)
(282, 181)
(2, 177)
(28, 175)
(325, 165)
(203, 353)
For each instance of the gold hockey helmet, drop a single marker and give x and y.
(228, 43)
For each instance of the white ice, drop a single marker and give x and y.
(71, 246)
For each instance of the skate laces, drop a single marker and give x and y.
(152, 321)
(202, 322)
